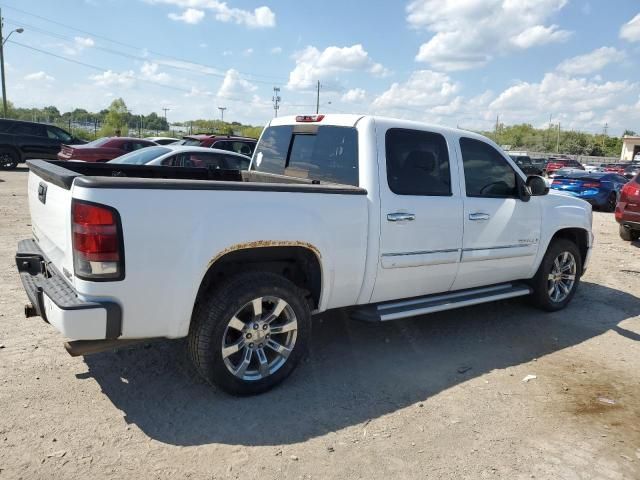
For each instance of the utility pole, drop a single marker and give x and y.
(558, 140)
(165, 109)
(222, 109)
(276, 100)
(497, 127)
(606, 129)
(318, 99)
(2, 42)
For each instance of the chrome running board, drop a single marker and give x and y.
(383, 312)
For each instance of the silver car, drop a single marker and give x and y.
(185, 156)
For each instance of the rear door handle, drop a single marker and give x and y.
(479, 216)
(400, 217)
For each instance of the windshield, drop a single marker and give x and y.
(142, 156)
(521, 160)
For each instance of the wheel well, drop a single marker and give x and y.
(578, 236)
(299, 265)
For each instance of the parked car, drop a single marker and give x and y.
(243, 145)
(162, 140)
(183, 156)
(526, 165)
(632, 170)
(563, 171)
(628, 210)
(21, 140)
(600, 189)
(593, 168)
(339, 210)
(558, 163)
(103, 149)
(616, 168)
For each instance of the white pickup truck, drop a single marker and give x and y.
(392, 218)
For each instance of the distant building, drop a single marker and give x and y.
(630, 148)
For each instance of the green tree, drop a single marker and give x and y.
(116, 119)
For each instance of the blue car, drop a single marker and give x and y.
(600, 189)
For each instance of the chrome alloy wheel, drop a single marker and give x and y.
(562, 277)
(259, 338)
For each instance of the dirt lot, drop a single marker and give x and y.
(432, 397)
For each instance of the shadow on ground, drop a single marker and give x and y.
(19, 169)
(355, 371)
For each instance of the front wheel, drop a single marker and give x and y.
(8, 160)
(558, 276)
(250, 333)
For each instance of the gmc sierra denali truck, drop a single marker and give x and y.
(389, 217)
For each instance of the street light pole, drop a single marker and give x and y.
(4, 40)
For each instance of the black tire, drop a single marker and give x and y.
(612, 200)
(629, 235)
(210, 328)
(8, 160)
(541, 297)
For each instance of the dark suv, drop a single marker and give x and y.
(243, 145)
(20, 141)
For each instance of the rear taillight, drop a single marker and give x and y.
(98, 252)
(630, 190)
(591, 185)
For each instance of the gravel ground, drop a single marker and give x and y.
(436, 397)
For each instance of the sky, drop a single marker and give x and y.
(451, 62)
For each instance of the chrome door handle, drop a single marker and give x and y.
(479, 216)
(400, 217)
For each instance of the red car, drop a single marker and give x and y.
(628, 210)
(615, 168)
(243, 145)
(558, 163)
(103, 149)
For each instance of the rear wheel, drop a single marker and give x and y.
(8, 160)
(612, 201)
(251, 333)
(558, 276)
(629, 235)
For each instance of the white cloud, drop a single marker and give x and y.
(591, 62)
(313, 64)
(39, 76)
(79, 44)
(261, 17)
(110, 78)
(150, 71)
(539, 35)
(424, 88)
(630, 31)
(248, 52)
(276, 50)
(234, 86)
(468, 34)
(190, 15)
(354, 95)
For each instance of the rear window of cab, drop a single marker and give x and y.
(317, 153)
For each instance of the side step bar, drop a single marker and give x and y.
(383, 312)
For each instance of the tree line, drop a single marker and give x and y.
(553, 139)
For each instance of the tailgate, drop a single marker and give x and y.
(50, 208)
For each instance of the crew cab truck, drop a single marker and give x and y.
(392, 218)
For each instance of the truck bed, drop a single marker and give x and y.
(106, 175)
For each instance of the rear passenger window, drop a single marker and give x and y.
(29, 129)
(417, 163)
(321, 153)
(486, 171)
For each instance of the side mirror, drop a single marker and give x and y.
(537, 186)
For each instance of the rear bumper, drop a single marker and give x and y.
(57, 302)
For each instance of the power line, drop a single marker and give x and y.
(126, 75)
(128, 45)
